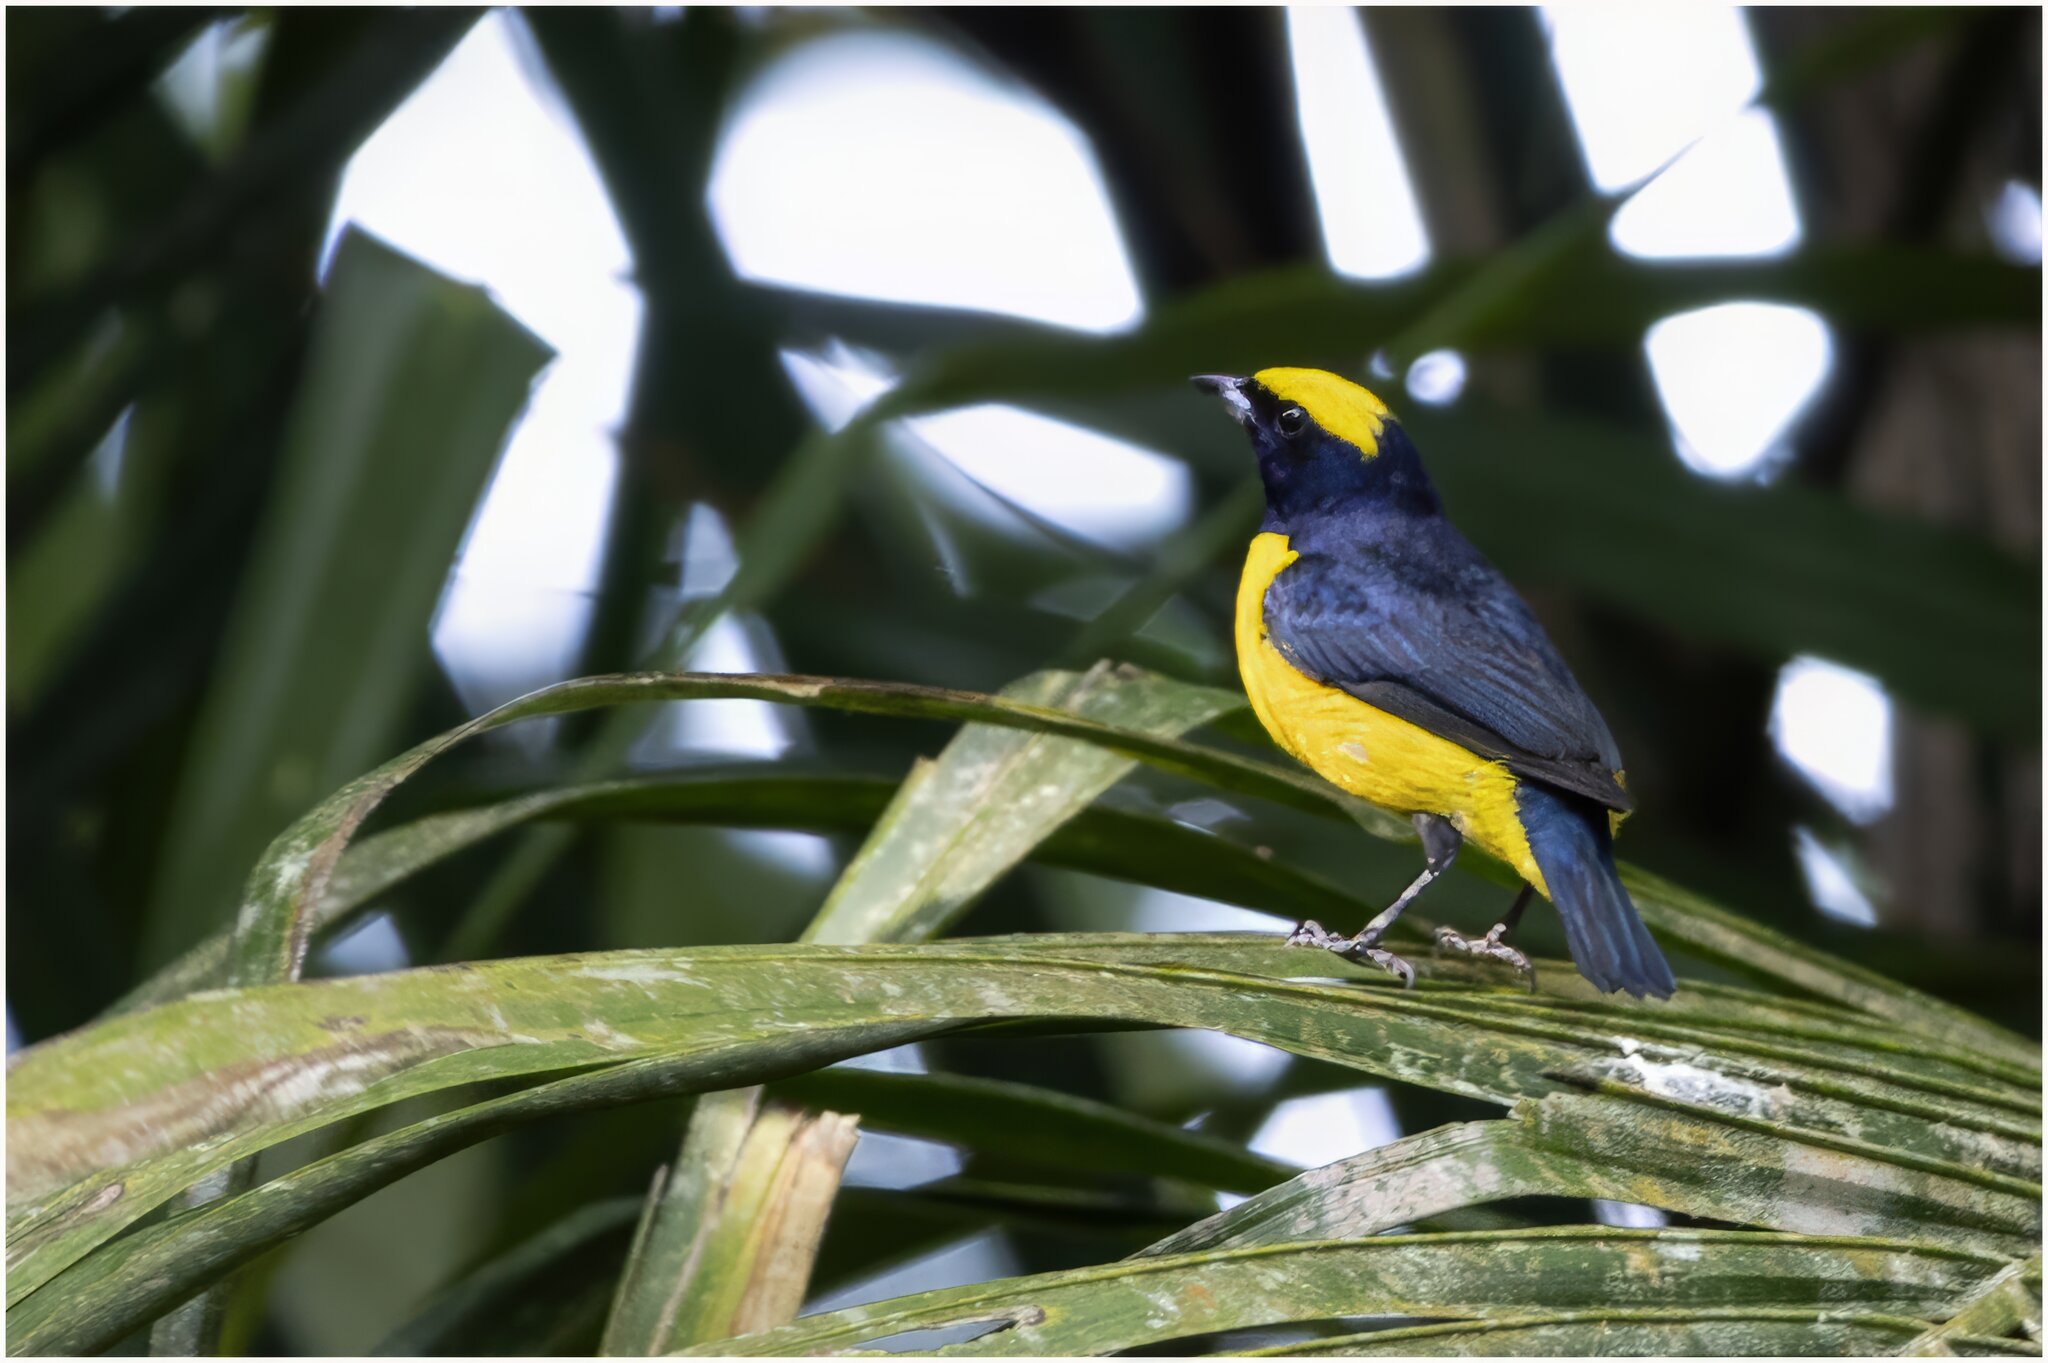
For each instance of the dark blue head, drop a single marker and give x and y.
(1325, 446)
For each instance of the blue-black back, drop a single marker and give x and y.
(1388, 602)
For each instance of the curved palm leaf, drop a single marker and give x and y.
(1151, 1301)
(1849, 1119)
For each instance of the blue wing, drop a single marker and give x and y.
(1413, 620)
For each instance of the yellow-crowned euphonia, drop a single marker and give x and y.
(1383, 650)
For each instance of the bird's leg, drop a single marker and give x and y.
(1494, 944)
(1440, 842)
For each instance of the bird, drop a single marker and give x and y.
(1381, 649)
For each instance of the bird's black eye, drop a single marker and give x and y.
(1292, 421)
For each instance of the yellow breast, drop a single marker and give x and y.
(1379, 757)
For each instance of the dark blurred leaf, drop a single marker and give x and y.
(302, 148)
(410, 389)
(1033, 1124)
(651, 99)
(1948, 620)
(53, 431)
(72, 89)
(1870, 37)
(1305, 315)
(1220, 530)
(1112, 1217)
(90, 542)
(1606, 298)
(454, 1316)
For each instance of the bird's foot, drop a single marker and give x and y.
(1385, 960)
(1488, 947)
(1313, 934)
(1310, 933)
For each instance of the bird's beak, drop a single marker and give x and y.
(1229, 389)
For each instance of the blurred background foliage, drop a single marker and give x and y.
(247, 452)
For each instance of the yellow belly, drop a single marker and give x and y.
(1379, 757)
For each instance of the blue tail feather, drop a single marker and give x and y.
(1569, 838)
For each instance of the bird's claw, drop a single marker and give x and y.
(1489, 947)
(1385, 960)
(1313, 934)
(1310, 933)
